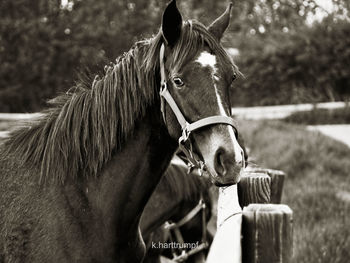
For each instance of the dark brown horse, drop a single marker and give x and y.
(73, 184)
(176, 196)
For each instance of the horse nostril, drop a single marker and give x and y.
(219, 161)
(226, 161)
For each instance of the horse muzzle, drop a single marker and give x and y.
(222, 154)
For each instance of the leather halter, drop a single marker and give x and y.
(186, 127)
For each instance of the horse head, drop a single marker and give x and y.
(197, 73)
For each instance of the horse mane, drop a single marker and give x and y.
(74, 136)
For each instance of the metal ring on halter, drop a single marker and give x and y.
(185, 135)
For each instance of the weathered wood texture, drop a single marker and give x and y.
(254, 188)
(277, 182)
(267, 233)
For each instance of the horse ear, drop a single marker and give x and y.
(218, 27)
(171, 24)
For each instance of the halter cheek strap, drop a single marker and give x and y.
(186, 127)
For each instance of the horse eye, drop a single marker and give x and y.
(178, 82)
(234, 77)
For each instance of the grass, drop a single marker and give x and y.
(318, 170)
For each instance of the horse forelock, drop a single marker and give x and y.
(194, 37)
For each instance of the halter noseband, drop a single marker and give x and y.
(186, 127)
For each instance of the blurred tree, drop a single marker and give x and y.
(287, 59)
(43, 45)
(27, 58)
(311, 65)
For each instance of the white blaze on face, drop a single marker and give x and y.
(237, 148)
(209, 60)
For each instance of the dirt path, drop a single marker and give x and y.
(3, 134)
(339, 132)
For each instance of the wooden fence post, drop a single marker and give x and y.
(277, 182)
(254, 188)
(266, 228)
(267, 233)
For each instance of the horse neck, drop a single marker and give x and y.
(121, 192)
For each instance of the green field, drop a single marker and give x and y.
(317, 187)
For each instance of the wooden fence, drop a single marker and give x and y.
(263, 231)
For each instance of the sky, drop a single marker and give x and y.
(325, 4)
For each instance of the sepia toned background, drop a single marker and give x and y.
(289, 51)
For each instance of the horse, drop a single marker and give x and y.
(179, 195)
(75, 181)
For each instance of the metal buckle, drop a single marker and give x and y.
(185, 134)
(190, 167)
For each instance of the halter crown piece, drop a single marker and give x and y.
(185, 144)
